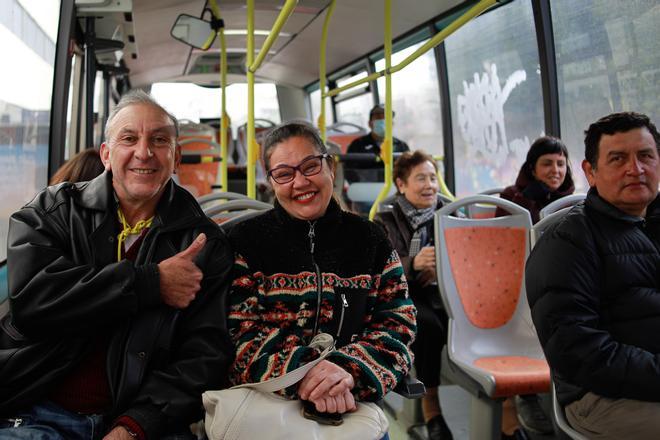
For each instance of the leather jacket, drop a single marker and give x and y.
(592, 285)
(66, 287)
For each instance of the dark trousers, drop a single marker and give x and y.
(431, 337)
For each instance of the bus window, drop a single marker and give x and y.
(416, 101)
(355, 110)
(607, 61)
(190, 101)
(314, 100)
(28, 31)
(495, 96)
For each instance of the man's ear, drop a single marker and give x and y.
(589, 172)
(105, 156)
(177, 157)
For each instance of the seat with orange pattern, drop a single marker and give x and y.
(492, 348)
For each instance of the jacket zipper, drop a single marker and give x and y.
(319, 281)
(319, 288)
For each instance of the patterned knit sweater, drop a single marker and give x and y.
(275, 307)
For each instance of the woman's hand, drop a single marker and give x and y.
(325, 380)
(341, 404)
(425, 260)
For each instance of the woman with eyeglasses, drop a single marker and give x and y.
(307, 267)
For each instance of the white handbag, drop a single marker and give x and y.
(252, 411)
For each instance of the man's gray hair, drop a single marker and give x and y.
(137, 96)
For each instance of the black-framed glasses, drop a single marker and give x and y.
(308, 167)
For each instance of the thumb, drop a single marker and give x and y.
(194, 248)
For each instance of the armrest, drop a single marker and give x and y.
(410, 388)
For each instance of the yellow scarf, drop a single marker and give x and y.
(128, 230)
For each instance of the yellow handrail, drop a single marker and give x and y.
(386, 146)
(253, 64)
(322, 78)
(437, 39)
(251, 150)
(224, 117)
(441, 180)
(284, 15)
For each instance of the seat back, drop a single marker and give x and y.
(229, 213)
(562, 203)
(199, 167)
(559, 417)
(482, 210)
(539, 228)
(480, 267)
(343, 133)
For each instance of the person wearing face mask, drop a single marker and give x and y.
(544, 177)
(409, 226)
(307, 267)
(361, 171)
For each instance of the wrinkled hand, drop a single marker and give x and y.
(118, 433)
(180, 278)
(325, 380)
(342, 403)
(425, 259)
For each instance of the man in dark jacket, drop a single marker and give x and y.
(592, 284)
(117, 296)
(360, 171)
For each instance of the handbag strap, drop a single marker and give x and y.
(322, 341)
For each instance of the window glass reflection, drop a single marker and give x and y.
(496, 98)
(415, 100)
(28, 31)
(608, 60)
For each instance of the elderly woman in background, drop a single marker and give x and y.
(409, 226)
(543, 178)
(307, 267)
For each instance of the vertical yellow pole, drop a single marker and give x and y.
(386, 147)
(322, 71)
(224, 118)
(251, 142)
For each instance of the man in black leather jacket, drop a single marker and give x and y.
(117, 296)
(592, 283)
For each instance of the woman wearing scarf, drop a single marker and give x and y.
(409, 226)
(544, 177)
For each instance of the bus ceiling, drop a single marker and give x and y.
(147, 24)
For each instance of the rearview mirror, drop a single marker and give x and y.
(193, 31)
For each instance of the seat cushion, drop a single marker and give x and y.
(516, 374)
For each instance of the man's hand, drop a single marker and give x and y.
(425, 259)
(118, 433)
(325, 380)
(180, 277)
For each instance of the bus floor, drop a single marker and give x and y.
(455, 403)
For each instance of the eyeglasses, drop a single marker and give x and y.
(308, 167)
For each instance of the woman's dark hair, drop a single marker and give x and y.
(547, 145)
(82, 167)
(291, 129)
(407, 161)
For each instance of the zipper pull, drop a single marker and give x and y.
(343, 300)
(17, 422)
(310, 234)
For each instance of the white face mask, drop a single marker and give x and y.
(379, 127)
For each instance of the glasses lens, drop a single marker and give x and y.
(283, 174)
(311, 166)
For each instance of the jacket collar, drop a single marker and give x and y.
(328, 222)
(523, 181)
(596, 202)
(176, 207)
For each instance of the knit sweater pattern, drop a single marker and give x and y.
(284, 265)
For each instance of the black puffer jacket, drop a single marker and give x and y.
(592, 284)
(65, 286)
